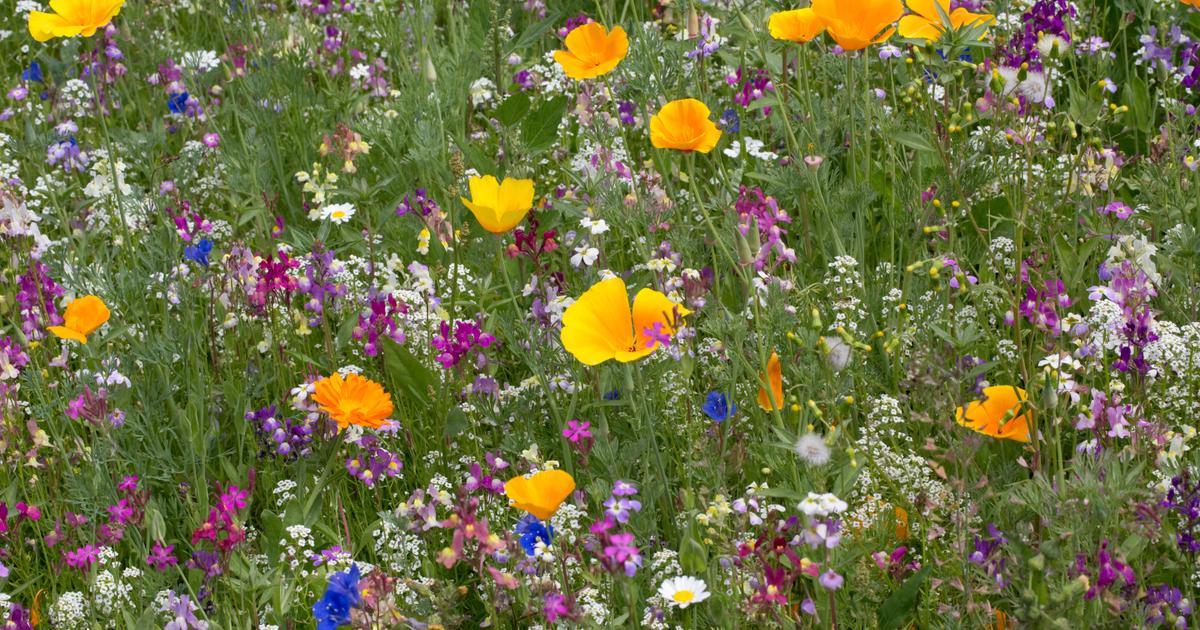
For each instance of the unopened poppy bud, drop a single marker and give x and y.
(816, 319)
(745, 254)
(430, 71)
(750, 26)
(1050, 395)
(693, 24)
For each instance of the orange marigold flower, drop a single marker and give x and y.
(856, 24)
(499, 206)
(83, 315)
(799, 25)
(1000, 414)
(592, 51)
(684, 125)
(541, 493)
(72, 18)
(774, 376)
(353, 400)
(925, 21)
(600, 325)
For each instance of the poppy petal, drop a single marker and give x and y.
(774, 376)
(599, 324)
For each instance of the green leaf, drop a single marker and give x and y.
(404, 370)
(540, 129)
(900, 605)
(513, 109)
(914, 141)
(456, 421)
(1141, 110)
(693, 557)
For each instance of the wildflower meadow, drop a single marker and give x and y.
(458, 314)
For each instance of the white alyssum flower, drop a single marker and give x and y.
(683, 591)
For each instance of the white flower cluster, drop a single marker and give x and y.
(69, 612)
(283, 492)
(822, 504)
(400, 551)
(844, 285)
(299, 547)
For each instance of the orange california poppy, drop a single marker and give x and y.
(592, 51)
(774, 376)
(499, 206)
(856, 24)
(684, 125)
(83, 315)
(541, 493)
(1000, 414)
(901, 515)
(72, 18)
(925, 22)
(353, 400)
(600, 325)
(798, 25)
(1192, 3)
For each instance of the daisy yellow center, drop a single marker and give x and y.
(337, 214)
(684, 597)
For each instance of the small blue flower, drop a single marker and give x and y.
(177, 103)
(33, 73)
(530, 530)
(342, 595)
(614, 394)
(199, 252)
(717, 407)
(730, 121)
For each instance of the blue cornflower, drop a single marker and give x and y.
(199, 252)
(717, 407)
(530, 530)
(33, 73)
(333, 609)
(177, 103)
(730, 121)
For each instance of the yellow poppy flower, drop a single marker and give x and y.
(774, 376)
(541, 493)
(684, 125)
(856, 24)
(72, 18)
(924, 21)
(1000, 414)
(499, 206)
(600, 325)
(592, 51)
(799, 25)
(83, 315)
(353, 400)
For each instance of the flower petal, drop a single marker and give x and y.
(774, 376)
(599, 324)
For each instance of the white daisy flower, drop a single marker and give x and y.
(683, 591)
(337, 212)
